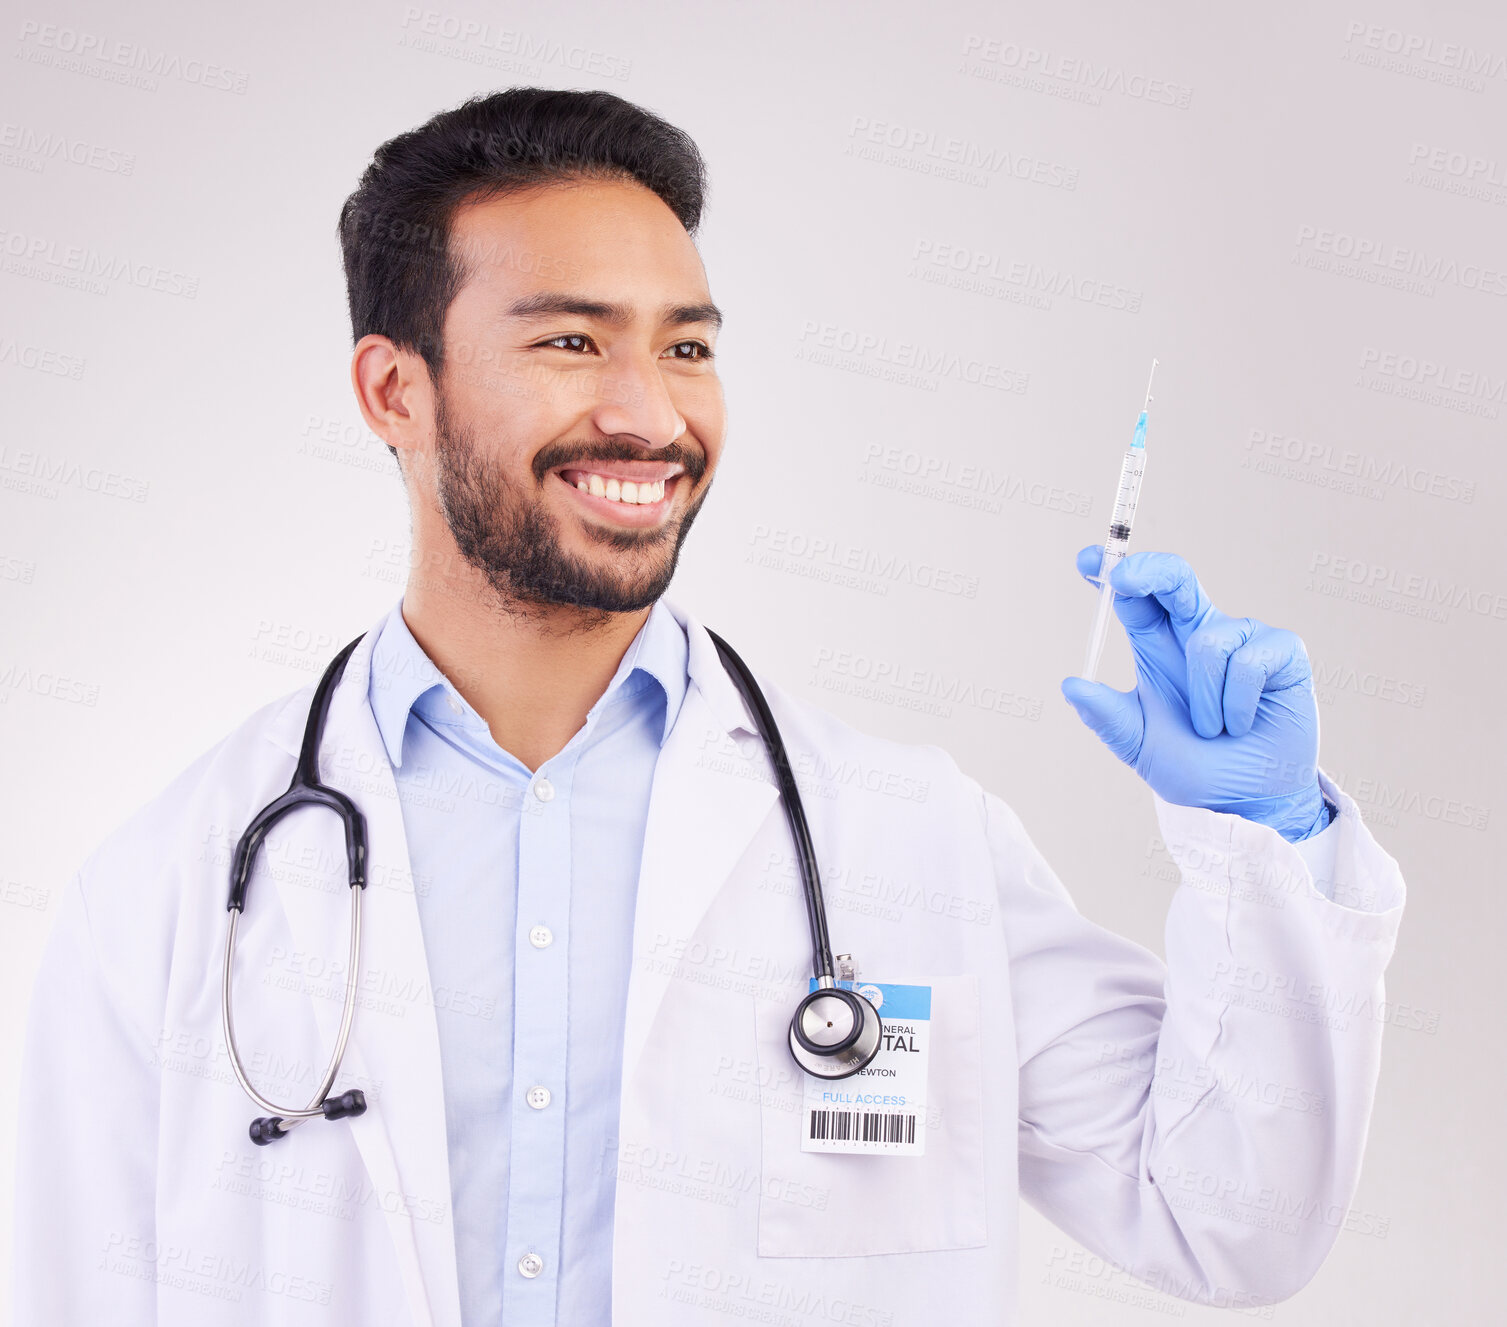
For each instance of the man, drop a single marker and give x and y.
(583, 925)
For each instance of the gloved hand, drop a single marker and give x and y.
(1222, 714)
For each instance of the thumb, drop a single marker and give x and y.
(1114, 715)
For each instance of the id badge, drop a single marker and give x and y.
(880, 1110)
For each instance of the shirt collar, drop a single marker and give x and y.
(402, 674)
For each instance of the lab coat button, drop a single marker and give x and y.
(538, 1097)
(541, 937)
(531, 1264)
(544, 790)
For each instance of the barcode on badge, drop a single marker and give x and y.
(860, 1126)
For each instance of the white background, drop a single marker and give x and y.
(192, 519)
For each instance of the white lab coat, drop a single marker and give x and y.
(142, 1200)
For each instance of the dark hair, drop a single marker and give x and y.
(400, 273)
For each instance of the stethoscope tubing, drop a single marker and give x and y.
(816, 912)
(347, 1017)
(304, 790)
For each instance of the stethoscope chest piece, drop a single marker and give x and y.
(834, 1033)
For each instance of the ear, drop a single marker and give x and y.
(395, 395)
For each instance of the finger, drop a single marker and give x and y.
(1116, 716)
(1208, 657)
(1167, 582)
(1271, 660)
(1088, 563)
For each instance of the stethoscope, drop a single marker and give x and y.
(834, 1033)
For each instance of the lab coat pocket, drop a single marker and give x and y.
(829, 1205)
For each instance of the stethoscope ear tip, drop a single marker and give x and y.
(269, 1128)
(347, 1103)
(265, 1129)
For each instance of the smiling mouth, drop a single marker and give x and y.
(620, 501)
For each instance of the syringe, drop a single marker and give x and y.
(1129, 492)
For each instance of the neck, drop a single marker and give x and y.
(531, 671)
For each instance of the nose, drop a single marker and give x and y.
(637, 400)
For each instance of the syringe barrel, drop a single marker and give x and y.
(1097, 636)
(1128, 493)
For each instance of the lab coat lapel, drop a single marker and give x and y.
(401, 1136)
(710, 795)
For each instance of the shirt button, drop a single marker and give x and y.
(453, 704)
(531, 1264)
(538, 1097)
(541, 937)
(544, 790)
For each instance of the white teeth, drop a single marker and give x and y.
(635, 494)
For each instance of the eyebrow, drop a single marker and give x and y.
(545, 304)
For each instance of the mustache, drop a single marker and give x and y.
(691, 460)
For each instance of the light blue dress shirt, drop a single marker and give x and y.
(526, 885)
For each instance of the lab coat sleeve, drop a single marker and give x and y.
(1201, 1123)
(86, 1166)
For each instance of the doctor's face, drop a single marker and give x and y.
(578, 419)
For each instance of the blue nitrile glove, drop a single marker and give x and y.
(1222, 715)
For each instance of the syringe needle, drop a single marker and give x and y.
(1148, 387)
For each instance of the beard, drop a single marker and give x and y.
(508, 534)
